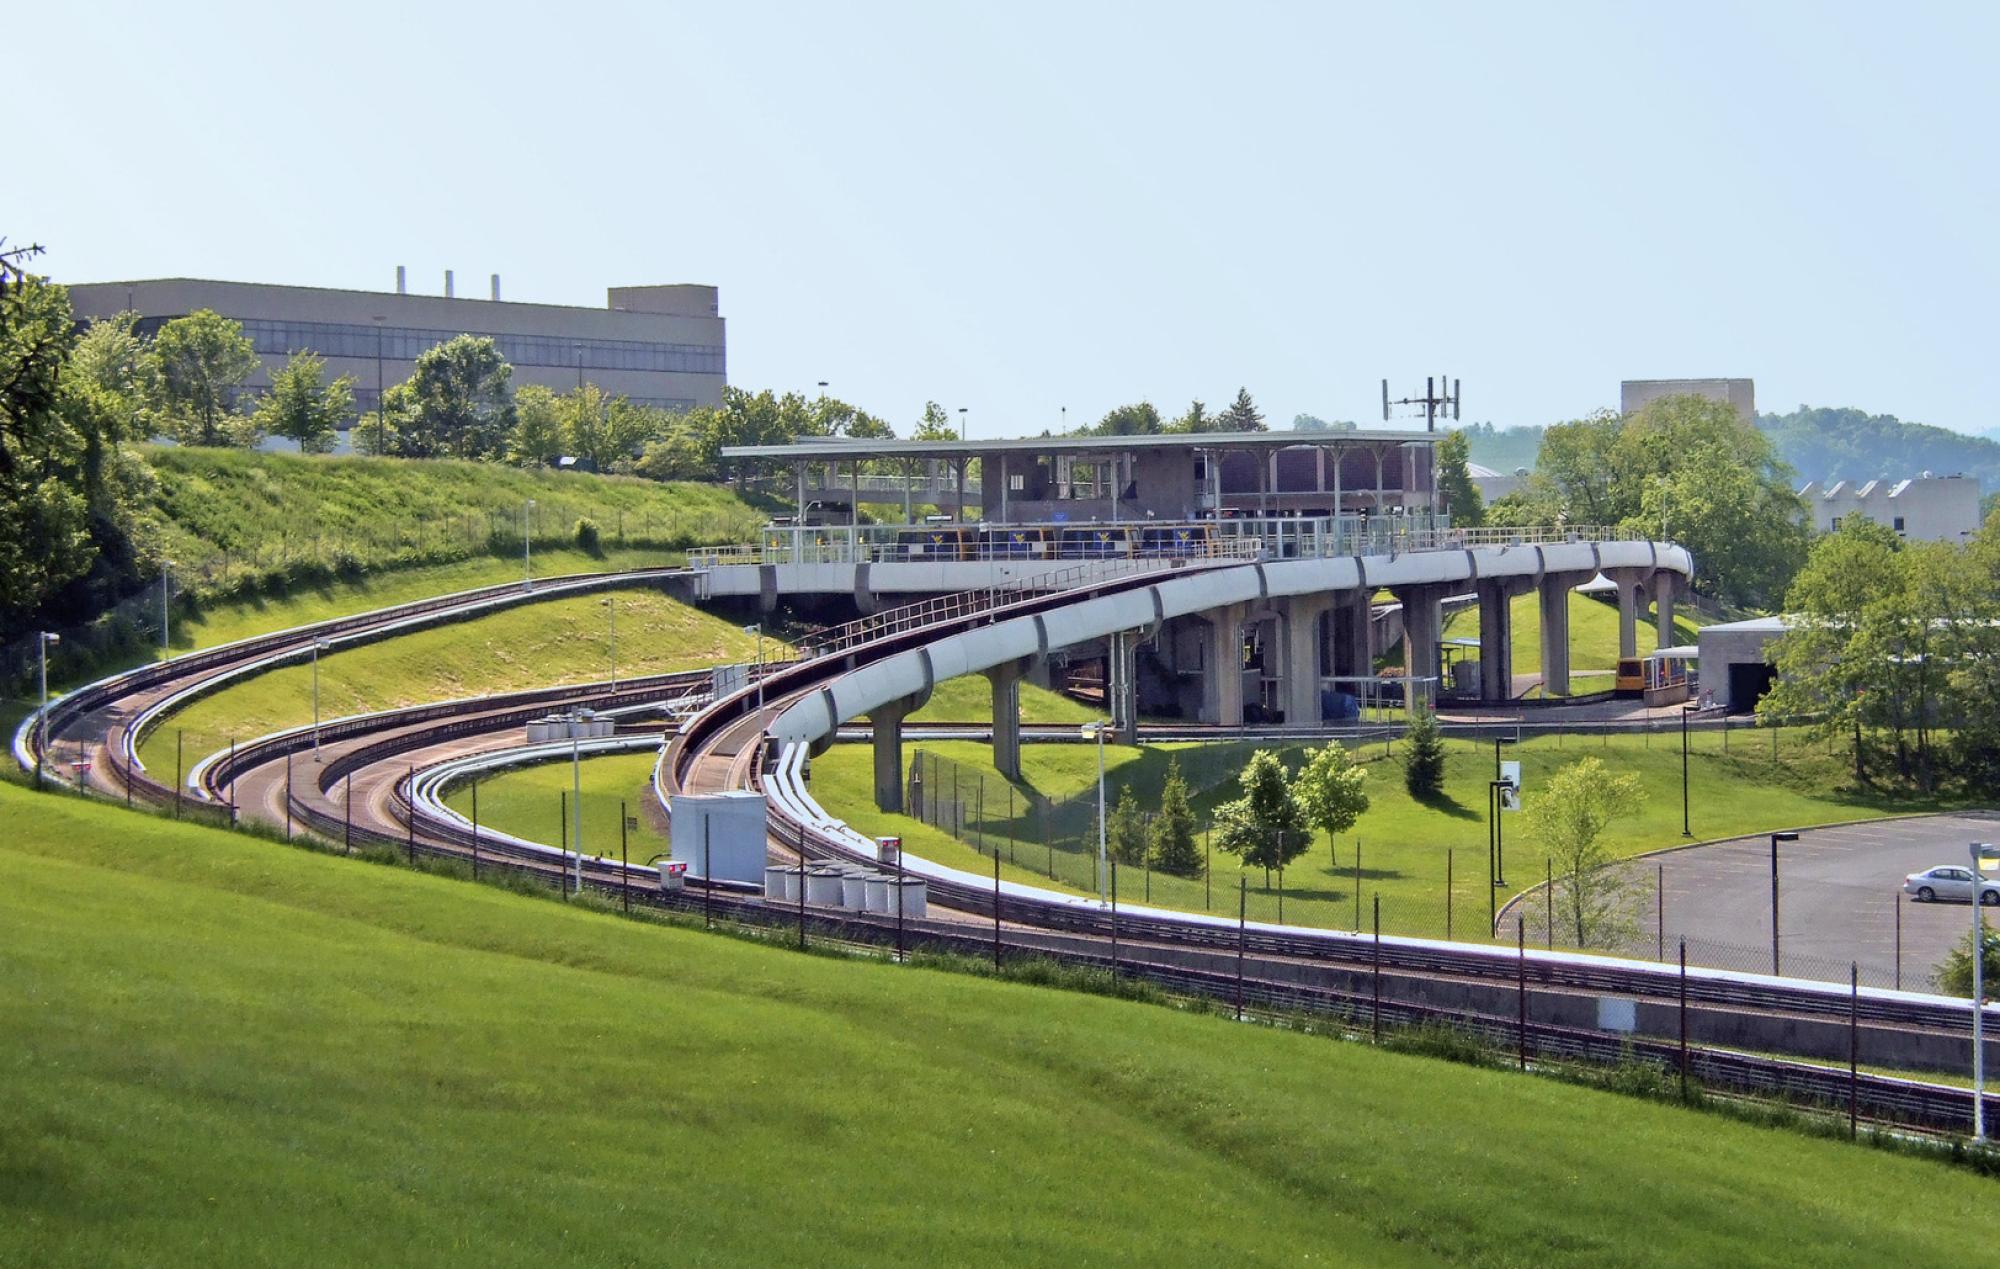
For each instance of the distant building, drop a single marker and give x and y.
(1492, 484)
(1736, 669)
(659, 345)
(1634, 394)
(1926, 509)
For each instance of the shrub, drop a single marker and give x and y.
(1423, 768)
(587, 535)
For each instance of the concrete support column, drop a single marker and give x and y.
(1222, 667)
(1422, 626)
(1302, 662)
(1663, 600)
(1496, 642)
(1121, 683)
(1553, 596)
(1353, 628)
(1005, 680)
(1628, 614)
(887, 720)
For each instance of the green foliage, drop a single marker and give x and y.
(1423, 764)
(461, 401)
(537, 438)
(1196, 418)
(1847, 444)
(1332, 789)
(1567, 817)
(1314, 423)
(1454, 482)
(587, 535)
(1264, 827)
(303, 407)
(204, 359)
(1125, 831)
(1139, 419)
(1241, 415)
(935, 425)
(1953, 975)
(1171, 836)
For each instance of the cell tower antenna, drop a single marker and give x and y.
(1439, 401)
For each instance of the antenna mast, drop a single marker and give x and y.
(1440, 400)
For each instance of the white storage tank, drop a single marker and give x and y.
(854, 890)
(774, 882)
(914, 892)
(823, 886)
(878, 894)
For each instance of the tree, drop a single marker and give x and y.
(1139, 419)
(204, 359)
(935, 425)
(1241, 416)
(46, 542)
(463, 400)
(1454, 482)
(1195, 419)
(1332, 790)
(537, 438)
(1953, 974)
(1314, 423)
(303, 407)
(1264, 827)
(1125, 832)
(389, 432)
(1423, 765)
(583, 426)
(1567, 817)
(1170, 837)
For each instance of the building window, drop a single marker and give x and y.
(1017, 483)
(1836, 524)
(1899, 524)
(401, 343)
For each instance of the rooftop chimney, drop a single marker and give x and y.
(447, 283)
(496, 288)
(402, 281)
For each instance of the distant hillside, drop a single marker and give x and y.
(1847, 444)
(1503, 449)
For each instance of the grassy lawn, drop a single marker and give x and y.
(1593, 632)
(225, 1051)
(557, 641)
(528, 802)
(1407, 848)
(969, 699)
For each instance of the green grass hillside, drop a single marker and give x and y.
(1593, 633)
(234, 519)
(535, 645)
(222, 1051)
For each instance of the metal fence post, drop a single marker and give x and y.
(1660, 912)
(349, 813)
(475, 828)
(1375, 1011)
(996, 911)
(288, 795)
(1854, 1046)
(1114, 916)
(1521, 990)
(178, 786)
(1684, 1019)
(1897, 899)
(802, 896)
(708, 881)
(1357, 885)
(1447, 893)
(624, 859)
(409, 797)
(1242, 937)
(562, 816)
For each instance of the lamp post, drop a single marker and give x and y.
(758, 630)
(43, 638)
(319, 645)
(166, 570)
(1686, 709)
(961, 423)
(527, 545)
(1775, 839)
(1979, 852)
(381, 414)
(579, 375)
(1088, 730)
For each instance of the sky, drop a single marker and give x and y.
(1024, 209)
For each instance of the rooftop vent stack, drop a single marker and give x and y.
(402, 281)
(447, 283)
(496, 288)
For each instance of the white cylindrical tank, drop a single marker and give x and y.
(914, 892)
(774, 882)
(854, 890)
(823, 886)
(878, 894)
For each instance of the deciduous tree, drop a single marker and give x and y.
(1461, 498)
(462, 399)
(303, 407)
(1265, 826)
(204, 360)
(1332, 790)
(1567, 818)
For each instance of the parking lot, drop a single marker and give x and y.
(1840, 899)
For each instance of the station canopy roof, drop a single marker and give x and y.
(843, 447)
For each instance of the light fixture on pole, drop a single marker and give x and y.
(1088, 730)
(758, 630)
(1775, 839)
(166, 569)
(579, 376)
(527, 545)
(1980, 850)
(319, 646)
(961, 423)
(43, 638)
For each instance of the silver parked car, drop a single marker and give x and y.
(1950, 881)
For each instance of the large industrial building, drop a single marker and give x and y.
(1740, 394)
(1926, 509)
(658, 345)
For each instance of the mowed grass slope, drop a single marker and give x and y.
(531, 802)
(1408, 848)
(221, 1051)
(1593, 632)
(538, 644)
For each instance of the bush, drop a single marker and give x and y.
(587, 535)
(1423, 768)
(1954, 972)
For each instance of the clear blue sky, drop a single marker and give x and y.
(1020, 207)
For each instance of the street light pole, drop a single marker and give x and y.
(1775, 839)
(527, 548)
(758, 630)
(43, 638)
(1979, 850)
(381, 413)
(318, 644)
(579, 376)
(961, 423)
(1098, 729)
(1685, 831)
